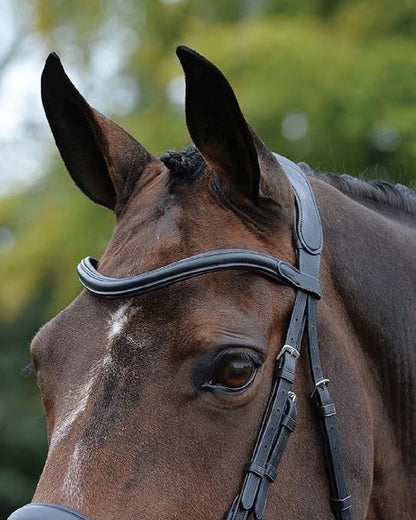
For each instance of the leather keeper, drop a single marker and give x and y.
(271, 472)
(327, 410)
(341, 504)
(284, 373)
(289, 422)
(253, 467)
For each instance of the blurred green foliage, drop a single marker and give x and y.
(329, 82)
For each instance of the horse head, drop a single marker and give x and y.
(154, 401)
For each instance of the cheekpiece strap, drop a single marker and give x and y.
(326, 412)
(280, 416)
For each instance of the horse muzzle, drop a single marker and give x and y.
(38, 511)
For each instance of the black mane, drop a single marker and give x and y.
(396, 196)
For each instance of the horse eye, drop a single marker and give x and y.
(232, 371)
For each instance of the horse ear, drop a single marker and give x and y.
(217, 125)
(102, 159)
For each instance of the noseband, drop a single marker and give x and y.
(279, 419)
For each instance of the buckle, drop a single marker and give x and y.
(292, 396)
(322, 382)
(294, 352)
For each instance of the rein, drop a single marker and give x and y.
(279, 419)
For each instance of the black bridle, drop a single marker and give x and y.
(279, 419)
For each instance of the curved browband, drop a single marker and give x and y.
(218, 260)
(279, 419)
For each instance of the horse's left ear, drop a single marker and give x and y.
(217, 125)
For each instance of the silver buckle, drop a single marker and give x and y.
(288, 348)
(292, 396)
(322, 382)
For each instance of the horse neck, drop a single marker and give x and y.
(371, 260)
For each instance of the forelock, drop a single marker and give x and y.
(187, 165)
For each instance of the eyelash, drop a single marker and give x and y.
(29, 370)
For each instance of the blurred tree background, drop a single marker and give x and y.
(329, 82)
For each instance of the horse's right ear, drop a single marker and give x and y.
(103, 160)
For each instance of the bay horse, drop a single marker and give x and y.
(154, 401)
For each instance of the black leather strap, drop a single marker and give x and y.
(288, 424)
(276, 425)
(218, 260)
(256, 483)
(340, 499)
(308, 222)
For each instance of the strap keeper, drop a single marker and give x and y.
(284, 373)
(327, 410)
(270, 472)
(289, 422)
(341, 504)
(256, 469)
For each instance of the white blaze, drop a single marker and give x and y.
(118, 321)
(72, 481)
(79, 399)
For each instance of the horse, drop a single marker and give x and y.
(154, 401)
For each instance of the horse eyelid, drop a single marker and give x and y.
(228, 390)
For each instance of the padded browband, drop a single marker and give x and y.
(309, 234)
(211, 261)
